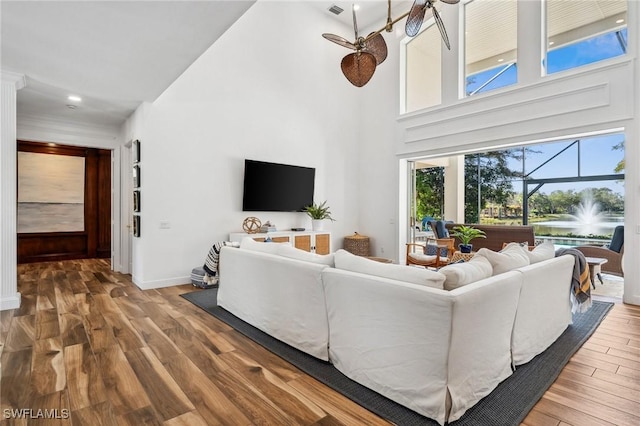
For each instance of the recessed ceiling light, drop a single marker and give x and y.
(500, 60)
(619, 21)
(74, 98)
(551, 43)
(356, 7)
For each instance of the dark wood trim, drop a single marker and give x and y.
(91, 202)
(57, 149)
(95, 240)
(103, 249)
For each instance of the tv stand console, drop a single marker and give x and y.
(318, 242)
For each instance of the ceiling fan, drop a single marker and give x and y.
(371, 51)
(416, 16)
(358, 67)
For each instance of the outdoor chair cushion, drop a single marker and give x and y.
(617, 241)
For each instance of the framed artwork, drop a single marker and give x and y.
(135, 151)
(136, 201)
(136, 226)
(136, 176)
(50, 193)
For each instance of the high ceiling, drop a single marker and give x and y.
(116, 54)
(113, 54)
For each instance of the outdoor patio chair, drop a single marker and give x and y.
(435, 253)
(613, 252)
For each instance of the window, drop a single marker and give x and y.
(491, 47)
(581, 33)
(423, 70)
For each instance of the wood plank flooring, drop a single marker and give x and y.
(91, 345)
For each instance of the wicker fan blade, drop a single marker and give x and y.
(377, 47)
(415, 18)
(358, 67)
(443, 32)
(339, 40)
(450, 1)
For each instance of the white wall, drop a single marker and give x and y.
(594, 98)
(269, 89)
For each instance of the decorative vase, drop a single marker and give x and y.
(465, 248)
(317, 224)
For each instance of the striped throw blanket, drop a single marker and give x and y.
(580, 281)
(212, 262)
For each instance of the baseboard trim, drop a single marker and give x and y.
(169, 282)
(10, 302)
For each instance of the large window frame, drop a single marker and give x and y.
(532, 55)
(428, 25)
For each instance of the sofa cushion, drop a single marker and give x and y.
(541, 252)
(460, 274)
(511, 257)
(285, 250)
(249, 243)
(350, 262)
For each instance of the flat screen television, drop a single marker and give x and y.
(272, 187)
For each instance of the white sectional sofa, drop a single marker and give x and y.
(396, 329)
(281, 296)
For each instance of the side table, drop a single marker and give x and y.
(594, 269)
(458, 255)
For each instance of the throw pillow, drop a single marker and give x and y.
(350, 262)
(544, 251)
(460, 274)
(511, 257)
(249, 243)
(432, 249)
(286, 250)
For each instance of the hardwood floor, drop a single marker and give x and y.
(91, 345)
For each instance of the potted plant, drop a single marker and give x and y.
(465, 234)
(318, 213)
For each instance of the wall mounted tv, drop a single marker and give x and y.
(272, 187)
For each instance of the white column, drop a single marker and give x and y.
(530, 42)
(632, 172)
(454, 189)
(9, 296)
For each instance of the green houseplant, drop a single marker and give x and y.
(465, 234)
(318, 213)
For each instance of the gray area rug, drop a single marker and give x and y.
(508, 404)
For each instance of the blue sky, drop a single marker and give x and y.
(596, 154)
(597, 157)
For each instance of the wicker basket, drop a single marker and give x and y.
(357, 244)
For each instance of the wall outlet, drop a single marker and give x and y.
(164, 224)
(638, 230)
(381, 250)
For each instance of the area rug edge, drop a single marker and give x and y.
(408, 416)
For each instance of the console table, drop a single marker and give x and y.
(318, 242)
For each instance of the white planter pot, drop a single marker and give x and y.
(317, 224)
